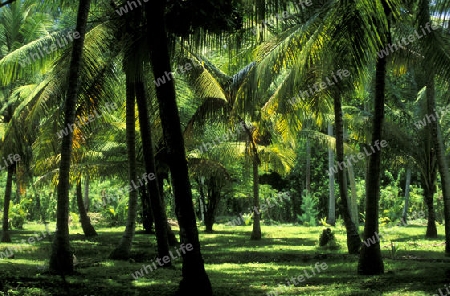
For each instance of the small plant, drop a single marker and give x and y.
(247, 219)
(393, 251)
(323, 222)
(327, 240)
(309, 209)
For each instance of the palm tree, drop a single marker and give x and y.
(424, 17)
(370, 261)
(13, 23)
(353, 239)
(195, 280)
(61, 259)
(156, 201)
(122, 251)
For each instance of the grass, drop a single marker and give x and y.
(235, 264)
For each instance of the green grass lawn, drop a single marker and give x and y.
(235, 264)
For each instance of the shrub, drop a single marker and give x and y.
(327, 240)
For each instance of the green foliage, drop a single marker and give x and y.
(75, 220)
(116, 212)
(309, 209)
(17, 214)
(391, 201)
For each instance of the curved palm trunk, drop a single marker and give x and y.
(370, 261)
(88, 229)
(122, 251)
(442, 162)
(195, 280)
(156, 202)
(8, 191)
(332, 197)
(61, 258)
(353, 239)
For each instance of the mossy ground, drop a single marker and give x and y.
(235, 264)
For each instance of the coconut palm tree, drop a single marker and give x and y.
(195, 279)
(61, 259)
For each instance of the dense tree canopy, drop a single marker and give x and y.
(265, 133)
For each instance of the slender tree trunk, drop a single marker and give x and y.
(122, 251)
(370, 261)
(308, 165)
(88, 229)
(147, 215)
(407, 183)
(61, 258)
(256, 232)
(354, 198)
(442, 161)
(8, 191)
(353, 239)
(428, 192)
(156, 202)
(332, 197)
(195, 281)
(86, 192)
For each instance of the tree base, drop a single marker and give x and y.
(255, 236)
(370, 261)
(195, 281)
(5, 237)
(119, 254)
(431, 231)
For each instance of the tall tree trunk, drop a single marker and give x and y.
(370, 261)
(428, 192)
(353, 239)
(147, 215)
(8, 191)
(61, 258)
(442, 161)
(332, 197)
(256, 232)
(354, 212)
(195, 280)
(88, 229)
(406, 207)
(156, 201)
(308, 165)
(86, 191)
(122, 251)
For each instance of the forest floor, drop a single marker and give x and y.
(236, 265)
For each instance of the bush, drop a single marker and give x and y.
(327, 240)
